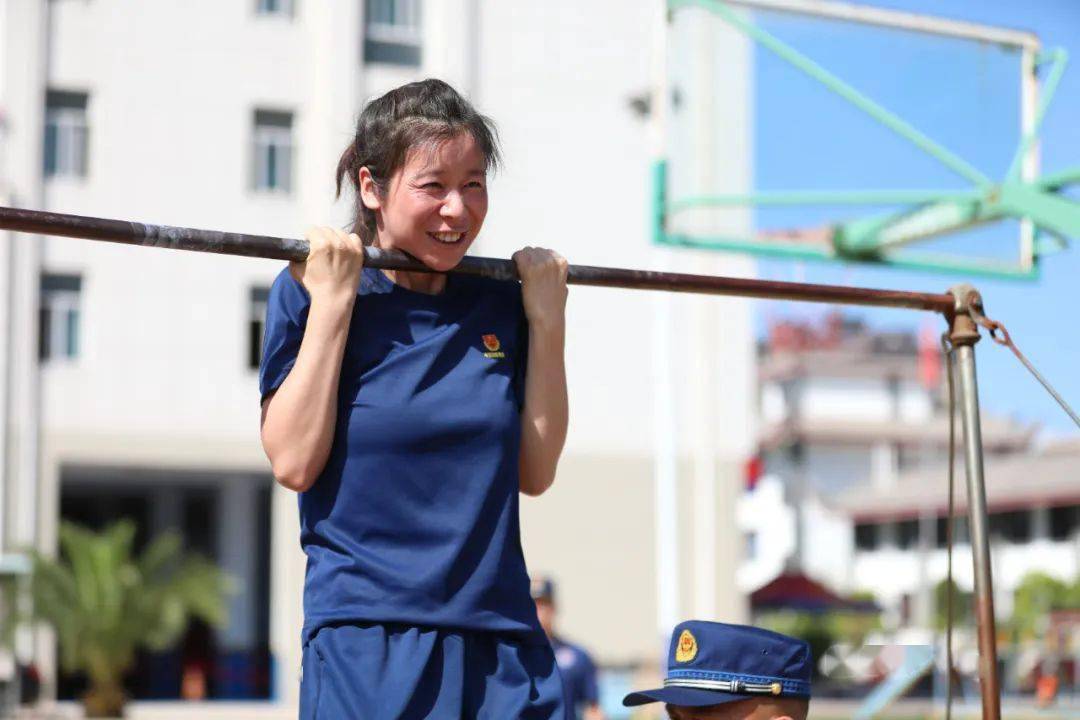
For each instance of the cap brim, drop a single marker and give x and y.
(685, 697)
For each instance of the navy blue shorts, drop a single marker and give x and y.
(385, 672)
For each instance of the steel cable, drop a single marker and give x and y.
(994, 327)
(946, 347)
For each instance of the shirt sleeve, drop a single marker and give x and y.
(286, 316)
(589, 693)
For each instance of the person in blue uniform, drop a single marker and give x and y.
(576, 667)
(718, 671)
(409, 411)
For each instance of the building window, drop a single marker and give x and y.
(941, 532)
(256, 324)
(866, 536)
(1013, 526)
(65, 134)
(1064, 522)
(392, 32)
(58, 317)
(273, 150)
(960, 531)
(274, 7)
(907, 534)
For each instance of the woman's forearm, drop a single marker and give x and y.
(299, 419)
(545, 416)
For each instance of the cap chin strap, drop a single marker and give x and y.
(731, 686)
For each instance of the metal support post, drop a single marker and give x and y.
(964, 334)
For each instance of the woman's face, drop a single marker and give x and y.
(435, 204)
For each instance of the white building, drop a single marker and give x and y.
(1033, 500)
(128, 381)
(855, 431)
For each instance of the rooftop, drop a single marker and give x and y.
(998, 434)
(1039, 479)
(845, 347)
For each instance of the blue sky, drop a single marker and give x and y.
(967, 99)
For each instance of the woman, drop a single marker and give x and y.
(408, 410)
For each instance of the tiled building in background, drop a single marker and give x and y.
(853, 484)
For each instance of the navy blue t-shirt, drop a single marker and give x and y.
(414, 518)
(578, 676)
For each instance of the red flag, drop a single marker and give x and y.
(753, 469)
(929, 357)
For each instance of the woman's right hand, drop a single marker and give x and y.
(332, 268)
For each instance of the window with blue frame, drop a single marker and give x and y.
(66, 134)
(272, 151)
(256, 324)
(275, 7)
(58, 317)
(392, 32)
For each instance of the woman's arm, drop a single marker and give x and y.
(545, 415)
(299, 418)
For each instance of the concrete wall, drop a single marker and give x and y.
(849, 399)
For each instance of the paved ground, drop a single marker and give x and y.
(819, 710)
(927, 710)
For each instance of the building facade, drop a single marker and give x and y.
(855, 483)
(129, 375)
(1033, 501)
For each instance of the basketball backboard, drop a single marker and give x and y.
(878, 137)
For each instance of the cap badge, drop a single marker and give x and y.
(686, 649)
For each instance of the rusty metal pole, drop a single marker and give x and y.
(264, 246)
(963, 334)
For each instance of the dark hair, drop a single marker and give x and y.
(424, 112)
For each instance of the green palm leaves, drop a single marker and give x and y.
(104, 603)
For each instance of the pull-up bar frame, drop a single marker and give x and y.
(958, 306)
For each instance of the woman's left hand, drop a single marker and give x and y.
(543, 285)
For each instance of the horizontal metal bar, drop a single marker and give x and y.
(955, 264)
(759, 246)
(826, 197)
(1057, 181)
(1047, 210)
(874, 234)
(179, 238)
(924, 262)
(882, 17)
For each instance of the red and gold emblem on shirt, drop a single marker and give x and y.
(493, 346)
(686, 650)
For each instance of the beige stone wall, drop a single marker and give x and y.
(594, 533)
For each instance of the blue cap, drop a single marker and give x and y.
(711, 663)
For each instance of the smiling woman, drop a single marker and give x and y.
(435, 205)
(418, 164)
(410, 410)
